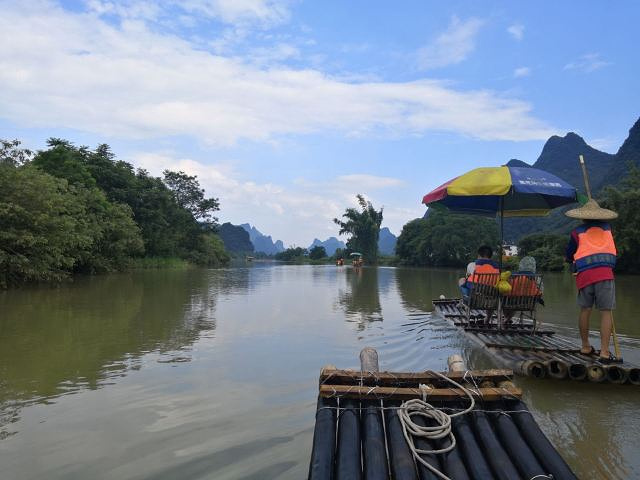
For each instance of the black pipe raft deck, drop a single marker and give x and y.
(358, 434)
(536, 353)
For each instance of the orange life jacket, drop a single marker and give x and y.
(522, 285)
(484, 267)
(596, 247)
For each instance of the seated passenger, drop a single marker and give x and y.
(483, 264)
(523, 282)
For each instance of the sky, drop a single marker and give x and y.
(285, 110)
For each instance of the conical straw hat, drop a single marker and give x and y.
(591, 211)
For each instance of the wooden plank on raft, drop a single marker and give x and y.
(404, 378)
(533, 348)
(434, 394)
(504, 331)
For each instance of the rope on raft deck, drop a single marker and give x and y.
(497, 439)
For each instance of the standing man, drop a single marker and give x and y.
(592, 252)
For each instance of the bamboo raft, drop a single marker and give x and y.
(537, 353)
(359, 434)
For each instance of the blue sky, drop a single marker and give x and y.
(287, 109)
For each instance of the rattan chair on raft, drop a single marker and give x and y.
(483, 295)
(526, 293)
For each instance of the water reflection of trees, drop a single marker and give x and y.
(82, 335)
(361, 299)
(419, 286)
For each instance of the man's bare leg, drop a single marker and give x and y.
(606, 320)
(583, 324)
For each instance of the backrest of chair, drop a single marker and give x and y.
(484, 293)
(526, 289)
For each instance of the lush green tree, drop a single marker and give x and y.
(625, 200)
(188, 195)
(12, 154)
(236, 239)
(291, 253)
(209, 251)
(547, 249)
(317, 252)
(43, 226)
(171, 215)
(364, 227)
(63, 160)
(444, 238)
(70, 209)
(115, 237)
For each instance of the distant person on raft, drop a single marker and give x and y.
(483, 264)
(592, 252)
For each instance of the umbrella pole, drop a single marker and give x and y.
(500, 257)
(501, 230)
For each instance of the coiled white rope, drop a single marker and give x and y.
(420, 408)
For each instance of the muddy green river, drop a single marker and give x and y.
(212, 374)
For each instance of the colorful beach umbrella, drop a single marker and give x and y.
(505, 191)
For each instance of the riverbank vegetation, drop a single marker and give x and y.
(443, 239)
(70, 209)
(547, 249)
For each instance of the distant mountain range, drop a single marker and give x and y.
(560, 157)
(330, 245)
(263, 243)
(386, 243)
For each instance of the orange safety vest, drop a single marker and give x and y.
(596, 247)
(482, 269)
(522, 285)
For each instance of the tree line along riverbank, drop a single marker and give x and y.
(69, 209)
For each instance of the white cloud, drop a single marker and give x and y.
(370, 182)
(275, 54)
(295, 214)
(265, 12)
(606, 144)
(516, 31)
(522, 72)
(71, 70)
(234, 11)
(452, 46)
(588, 63)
